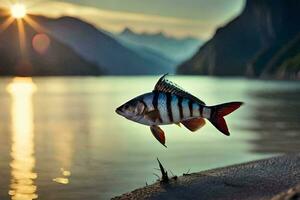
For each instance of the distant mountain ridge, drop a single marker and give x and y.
(57, 59)
(102, 49)
(82, 48)
(175, 49)
(258, 43)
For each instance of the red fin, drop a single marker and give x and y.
(219, 111)
(227, 108)
(221, 125)
(194, 124)
(159, 134)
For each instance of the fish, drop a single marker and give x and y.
(169, 104)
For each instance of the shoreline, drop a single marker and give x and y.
(273, 178)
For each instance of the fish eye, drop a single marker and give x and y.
(126, 106)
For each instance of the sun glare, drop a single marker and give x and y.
(18, 11)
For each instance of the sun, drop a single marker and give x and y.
(18, 10)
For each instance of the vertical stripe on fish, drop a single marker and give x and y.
(201, 111)
(196, 110)
(191, 108)
(180, 99)
(185, 108)
(175, 109)
(155, 104)
(169, 107)
(162, 107)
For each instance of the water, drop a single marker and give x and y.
(61, 139)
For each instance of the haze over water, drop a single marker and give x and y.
(60, 138)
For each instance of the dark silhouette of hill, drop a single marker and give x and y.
(56, 59)
(259, 42)
(281, 60)
(98, 47)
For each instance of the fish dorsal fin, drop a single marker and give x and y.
(164, 85)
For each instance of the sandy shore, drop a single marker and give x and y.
(275, 178)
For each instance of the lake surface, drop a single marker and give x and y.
(60, 138)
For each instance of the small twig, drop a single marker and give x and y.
(171, 173)
(164, 173)
(187, 173)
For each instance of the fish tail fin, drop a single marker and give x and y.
(218, 113)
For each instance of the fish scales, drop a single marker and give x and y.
(175, 109)
(148, 99)
(171, 109)
(196, 110)
(162, 107)
(185, 108)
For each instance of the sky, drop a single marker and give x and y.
(198, 18)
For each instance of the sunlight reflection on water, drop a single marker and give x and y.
(63, 179)
(22, 150)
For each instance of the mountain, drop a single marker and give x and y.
(41, 54)
(151, 54)
(175, 49)
(259, 42)
(98, 47)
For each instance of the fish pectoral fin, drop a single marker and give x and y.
(152, 115)
(159, 134)
(194, 124)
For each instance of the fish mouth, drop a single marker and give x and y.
(130, 117)
(119, 110)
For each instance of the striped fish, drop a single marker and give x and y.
(170, 104)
